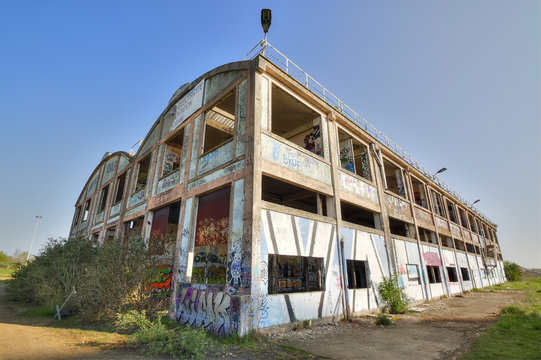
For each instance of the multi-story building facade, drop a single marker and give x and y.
(269, 201)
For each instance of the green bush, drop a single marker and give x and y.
(512, 310)
(383, 319)
(393, 295)
(512, 271)
(158, 337)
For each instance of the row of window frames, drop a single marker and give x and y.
(434, 275)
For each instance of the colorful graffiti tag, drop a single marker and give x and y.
(158, 279)
(209, 309)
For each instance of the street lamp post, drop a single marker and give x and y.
(38, 218)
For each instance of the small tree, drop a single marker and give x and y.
(393, 295)
(512, 271)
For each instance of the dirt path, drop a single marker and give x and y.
(29, 339)
(442, 329)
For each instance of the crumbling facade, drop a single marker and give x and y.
(268, 202)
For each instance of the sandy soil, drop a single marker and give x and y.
(442, 329)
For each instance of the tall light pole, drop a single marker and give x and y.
(38, 218)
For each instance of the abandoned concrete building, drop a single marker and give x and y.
(268, 201)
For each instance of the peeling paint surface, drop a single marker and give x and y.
(216, 158)
(358, 187)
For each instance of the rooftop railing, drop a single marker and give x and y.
(276, 57)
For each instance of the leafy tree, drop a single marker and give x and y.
(512, 271)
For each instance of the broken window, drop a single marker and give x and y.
(357, 274)
(103, 199)
(77, 215)
(419, 193)
(437, 204)
(288, 274)
(451, 273)
(452, 212)
(110, 233)
(433, 273)
(163, 233)
(96, 237)
(133, 228)
(120, 183)
(87, 210)
(358, 215)
(463, 219)
(211, 238)
(283, 193)
(459, 245)
(295, 122)
(354, 155)
(398, 227)
(470, 248)
(465, 274)
(173, 151)
(447, 241)
(142, 175)
(427, 236)
(220, 123)
(394, 178)
(477, 250)
(473, 224)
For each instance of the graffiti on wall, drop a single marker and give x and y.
(358, 187)
(312, 141)
(205, 308)
(398, 207)
(431, 258)
(158, 279)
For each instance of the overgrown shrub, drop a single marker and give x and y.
(159, 337)
(512, 271)
(108, 278)
(393, 295)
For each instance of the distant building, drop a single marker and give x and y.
(264, 196)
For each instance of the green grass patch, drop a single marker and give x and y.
(5, 273)
(517, 334)
(42, 311)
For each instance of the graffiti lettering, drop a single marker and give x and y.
(158, 279)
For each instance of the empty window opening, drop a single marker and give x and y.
(433, 273)
(399, 227)
(172, 156)
(419, 193)
(296, 122)
(163, 232)
(463, 220)
(354, 155)
(110, 233)
(452, 212)
(87, 210)
(142, 175)
(459, 245)
(447, 241)
(480, 227)
(477, 250)
(220, 123)
(133, 229)
(473, 224)
(288, 274)
(465, 274)
(427, 236)
(77, 215)
(394, 178)
(103, 199)
(283, 193)
(437, 204)
(357, 270)
(487, 232)
(358, 215)
(470, 248)
(120, 183)
(96, 237)
(211, 238)
(451, 273)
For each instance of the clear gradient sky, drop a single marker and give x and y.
(457, 83)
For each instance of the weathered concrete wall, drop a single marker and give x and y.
(297, 236)
(431, 257)
(411, 270)
(361, 245)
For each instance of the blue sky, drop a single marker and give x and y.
(457, 83)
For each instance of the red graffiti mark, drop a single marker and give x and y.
(431, 258)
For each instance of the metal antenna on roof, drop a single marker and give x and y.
(266, 16)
